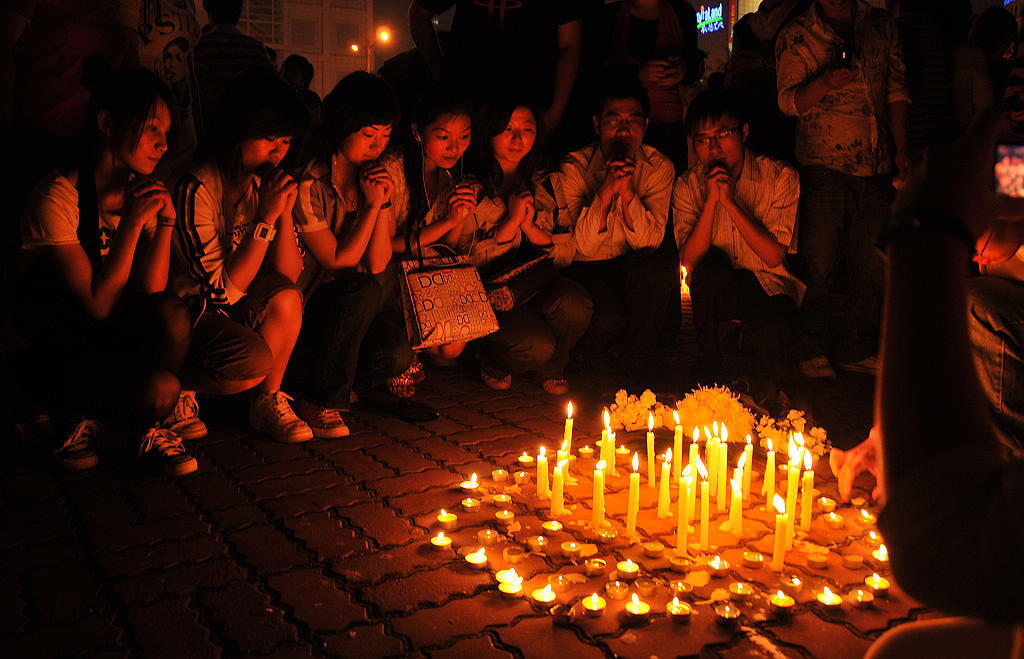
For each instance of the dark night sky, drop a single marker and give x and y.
(392, 13)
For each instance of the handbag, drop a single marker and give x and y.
(518, 284)
(444, 301)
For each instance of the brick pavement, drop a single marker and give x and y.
(321, 549)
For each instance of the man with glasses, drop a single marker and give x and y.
(616, 194)
(735, 215)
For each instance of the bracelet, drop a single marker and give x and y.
(919, 218)
(164, 224)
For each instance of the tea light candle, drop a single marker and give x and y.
(537, 543)
(511, 590)
(879, 585)
(681, 589)
(447, 520)
(594, 567)
(861, 598)
(817, 560)
(507, 576)
(621, 451)
(718, 566)
(646, 586)
(833, 520)
(782, 603)
(637, 610)
(873, 539)
(741, 591)
(627, 570)
(791, 583)
(654, 549)
(499, 475)
(753, 559)
(727, 613)
(559, 583)
(826, 505)
(616, 590)
(881, 554)
(678, 612)
(513, 554)
(470, 485)
(680, 564)
(544, 595)
(521, 477)
(586, 452)
(571, 550)
(552, 526)
(502, 501)
(526, 459)
(441, 541)
(505, 517)
(853, 561)
(477, 559)
(829, 600)
(470, 505)
(487, 536)
(594, 605)
(866, 517)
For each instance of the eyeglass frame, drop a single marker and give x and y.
(705, 140)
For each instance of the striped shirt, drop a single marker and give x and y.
(770, 192)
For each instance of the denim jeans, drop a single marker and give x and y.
(995, 323)
(841, 217)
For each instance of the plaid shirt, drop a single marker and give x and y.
(848, 130)
(769, 191)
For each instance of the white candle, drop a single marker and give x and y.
(677, 450)
(793, 480)
(683, 529)
(694, 451)
(543, 492)
(779, 553)
(808, 492)
(610, 467)
(711, 452)
(664, 498)
(769, 478)
(598, 518)
(633, 505)
(723, 466)
(567, 436)
(748, 467)
(736, 509)
(605, 434)
(705, 505)
(650, 451)
(557, 490)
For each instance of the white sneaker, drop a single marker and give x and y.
(162, 448)
(184, 419)
(818, 368)
(77, 452)
(272, 413)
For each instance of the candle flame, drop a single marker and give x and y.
(668, 456)
(479, 554)
(780, 504)
(607, 419)
(696, 434)
(736, 487)
(629, 565)
(872, 535)
(565, 446)
(593, 601)
(440, 536)
(568, 414)
(883, 552)
(675, 415)
(875, 577)
(725, 433)
(796, 581)
(675, 602)
(714, 426)
(547, 590)
(748, 439)
(828, 593)
(707, 434)
(524, 456)
(686, 472)
(650, 421)
(636, 462)
(561, 464)
(701, 469)
(683, 272)
(742, 461)
(636, 601)
(512, 574)
(600, 466)
(770, 447)
(808, 460)
(472, 479)
(792, 447)
(716, 562)
(781, 595)
(799, 437)
(865, 514)
(543, 451)
(444, 513)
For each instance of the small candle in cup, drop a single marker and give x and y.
(853, 561)
(718, 566)
(544, 595)
(594, 605)
(678, 611)
(477, 559)
(470, 505)
(507, 576)
(881, 554)
(594, 567)
(559, 583)
(499, 475)
(753, 559)
(782, 603)
(636, 609)
(537, 543)
(627, 570)
(571, 549)
(680, 564)
(502, 501)
(513, 554)
(791, 583)
(873, 539)
(826, 505)
(741, 591)
(727, 612)
(861, 598)
(616, 590)
(470, 485)
(486, 537)
(833, 520)
(654, 549)
(606, 535)
(552, 526)
(525, 459)
(866, 517)
(817, 560)
(511, 590)
(521, 477)
(681, 589)
(646, 587)
(829, 600)
(505, 517)
(447, 520)
(586, 452)
(879, 585)
(441, 541)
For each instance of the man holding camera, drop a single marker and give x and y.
(841, 74)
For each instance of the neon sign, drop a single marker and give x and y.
(709, 19)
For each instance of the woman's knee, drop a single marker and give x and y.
(157, 394)
(172, 315)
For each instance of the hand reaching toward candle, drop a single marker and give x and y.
(864, 457)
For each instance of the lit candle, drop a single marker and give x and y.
(544, 595)
(586, 452)
(827, 505)
(705, 506)
(470, 485)
(736, 508)
(678, 612)
(511, 589)
(441, 541)
(471, 505)
(633, 504)
(650, 451)
(782, 603)
(567, 436)
(723, 467)
(711, 456)
(538, 544)
(879, 585)
(594, 605)
(873, 539)
(866, 517)
(521, 477)
(507, 576)
(525, 459)
(478, 558)
(881, 554)
(606, 434)
(684, 288)
(683, 528)
(829, 600)
(557, 491)
(542, 474)
(502, 501)
(718, 566)
(446, 519)
(753, 559)
(499, 475)
(748, 467)
(552, 526)
(860, 598)
(694, 450)
(664, 498)
(769, 478)
(741, 590)
(779, 553)
(486, 537)
(627, 570)
(808, 492)
(677, 448)
(637, 609)
(571, 549)
(833, 520)
(793, 480)
(505, 517)
(598, 517)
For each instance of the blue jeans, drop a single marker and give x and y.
(841, 217)
(995, 323)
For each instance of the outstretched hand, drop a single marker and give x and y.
(864, 457)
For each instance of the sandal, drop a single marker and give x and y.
(402, 385)
(556, 386)
(415, 370)
(502, 383)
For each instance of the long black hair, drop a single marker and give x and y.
(494, 117)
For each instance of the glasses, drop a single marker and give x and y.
(615, 121)
(705, 140)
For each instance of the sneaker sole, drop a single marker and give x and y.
(329, 433)
(191, 432)
(180, 468)
(81, 463)
(289, 439)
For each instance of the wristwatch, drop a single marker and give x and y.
(264, 232)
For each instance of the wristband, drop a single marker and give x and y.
(919, 218)
(165, 223)
(263, 232)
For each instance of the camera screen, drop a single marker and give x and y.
(1010, 169)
